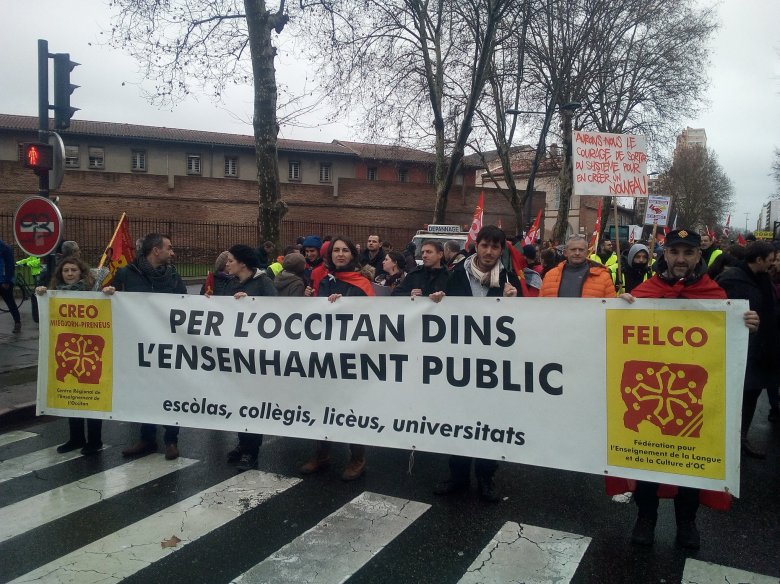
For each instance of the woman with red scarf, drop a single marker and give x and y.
(344, 279)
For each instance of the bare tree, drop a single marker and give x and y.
(186, 44)
(701, 191)
(776, 171)
(417, 69)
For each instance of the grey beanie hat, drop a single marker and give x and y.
(294, 262)
(635, 249)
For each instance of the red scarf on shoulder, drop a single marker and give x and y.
(357, 280)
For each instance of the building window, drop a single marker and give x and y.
(325, 173)
(96, 159)
(138, 160)
(231, 165)
(372, 173)
(403, 175)
(294, 171)
(193, 163)
(431, 177)
(459, 179)
(72, 157)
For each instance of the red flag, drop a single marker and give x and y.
(476, 222)
(741, 240)
(533, 233)
(726, 229)
(594, 240)
(710, 233)
(518, 265)
(120, 251)
(208, 286)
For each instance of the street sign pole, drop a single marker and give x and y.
(43, 108)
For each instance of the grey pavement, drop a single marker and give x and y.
(18, 366)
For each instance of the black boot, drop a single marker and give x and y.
(644, 530)
(487, 490)
(686, 504)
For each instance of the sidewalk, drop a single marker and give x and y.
(18, 367)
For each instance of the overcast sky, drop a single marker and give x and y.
(742, 119)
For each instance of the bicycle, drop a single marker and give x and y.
(21, 292)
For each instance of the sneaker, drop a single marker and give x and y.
(90, 449)
(450, 487)
(171, 451)
(247, 462)
(487, 490)
(750, 451)
(70, 446)
(774, 415)
(644, 530)
(17, 327)
(139, 449)
(354, 469)
(315, 464)
(234, 455)
(688, 535)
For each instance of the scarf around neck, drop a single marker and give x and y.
(491, 279)
(161, 277)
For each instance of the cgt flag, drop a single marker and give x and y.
(476, 222)
(594, 240)
(533, 233)
(119, 252)
(726, 229)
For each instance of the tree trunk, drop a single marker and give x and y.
(562, 222)
(260, 23)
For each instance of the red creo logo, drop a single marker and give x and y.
(80, 356)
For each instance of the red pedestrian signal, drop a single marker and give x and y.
(38, 156)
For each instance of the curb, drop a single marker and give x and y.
(17, 413)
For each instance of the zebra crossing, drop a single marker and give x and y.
(335, 549)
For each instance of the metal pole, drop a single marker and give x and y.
(43, 108)
(746, 221)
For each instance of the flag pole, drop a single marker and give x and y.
(110, 241)
(619, 275)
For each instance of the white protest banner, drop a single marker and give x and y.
(657, 212)
(609, 164)
(646, 391)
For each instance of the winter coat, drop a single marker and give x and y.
(132, 279)
(257, 285)
(332, 285)
(289, 284)
(596, 284)
(741, 282)
(375, 263)
(426, 279)
(459, 285)
(7, 267)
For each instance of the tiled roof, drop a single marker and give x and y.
(136, 132)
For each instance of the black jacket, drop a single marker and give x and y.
(258, 285)
(332, 285)
(132, 279)
(427, 280)
(741, 282)
(458, 284)
(375, 263)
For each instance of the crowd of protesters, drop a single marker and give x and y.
(686, 266)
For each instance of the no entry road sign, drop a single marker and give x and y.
(38, 226)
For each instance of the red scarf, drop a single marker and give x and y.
(702, 289)
(357, 280)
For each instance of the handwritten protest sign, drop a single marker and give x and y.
(609, 164)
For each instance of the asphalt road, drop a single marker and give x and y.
(105, 515)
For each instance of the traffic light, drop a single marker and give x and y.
(62, 90)
(38, 156)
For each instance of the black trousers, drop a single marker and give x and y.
(94, 430)
(7, 294)
(460, 468)
(686, 502)
(149, 434)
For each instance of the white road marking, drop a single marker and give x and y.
(125, 552)
(11, 437)
(38, 460)
(45, 507)
(340, 544)
(698, 572)
(528, 554)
